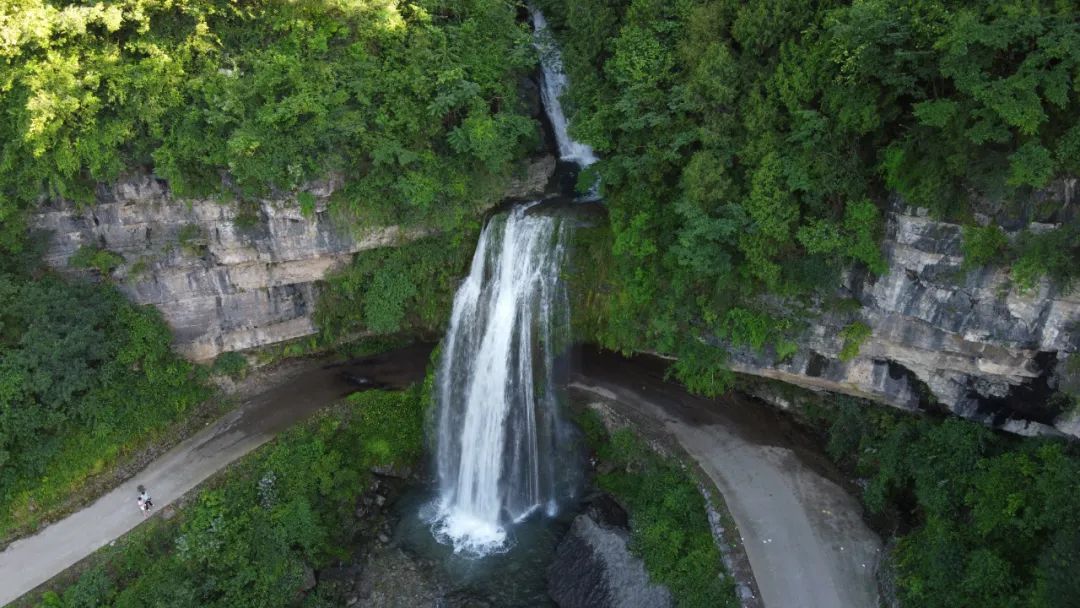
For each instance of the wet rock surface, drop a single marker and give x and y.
(593, 567)
(392, 579)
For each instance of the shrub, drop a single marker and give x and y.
(389, 290)
(192, 239)
(102, 260)
(307, 204)
(984, 245)
(1052, 254)
(669, 525)
(232, 364)
(854, 334)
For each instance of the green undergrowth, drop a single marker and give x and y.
(669, 524)
(588, 282)
(1030, 256)
(982, 519)
(248, 537)
(389, 290)
(318, 345)
(231, 364)
(86, 379)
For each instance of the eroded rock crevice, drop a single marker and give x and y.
(967, 341)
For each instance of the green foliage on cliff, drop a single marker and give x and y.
(393, 289)
(85, 376)
(414, 102)
(854, 335)
(748, 148)
(232, 364)
(102, 260)
(983, 520)
(247, 539)
(984, 245)
(1054, 254)
(669, 524)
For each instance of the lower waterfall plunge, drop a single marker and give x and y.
(502, 448)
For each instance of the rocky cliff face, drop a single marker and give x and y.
(222, 281)
(966, 341)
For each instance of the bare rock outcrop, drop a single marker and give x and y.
(966, 340)
(593, 566)
(223, 280)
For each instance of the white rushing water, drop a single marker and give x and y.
(552, 87)
(500, 439)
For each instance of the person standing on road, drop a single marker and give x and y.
(144, 501)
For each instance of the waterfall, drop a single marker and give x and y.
(552, 87)
(501, 443)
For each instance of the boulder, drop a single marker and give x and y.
(593, 567)
(392, 579)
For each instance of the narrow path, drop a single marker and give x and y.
(804, 536)
(31, 561)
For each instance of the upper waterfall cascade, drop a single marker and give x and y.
(502, 448)
(552, 87)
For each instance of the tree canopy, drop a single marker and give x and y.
(749, 149)
(84, 376)
(414, 102)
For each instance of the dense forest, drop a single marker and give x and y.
(750, 149)
(978, 519)
(85, 376)
(416, 103)
(749, 154)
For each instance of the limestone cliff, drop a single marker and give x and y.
(968, 341)
(222, 281)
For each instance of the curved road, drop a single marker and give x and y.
(803, 533)
(31, 561)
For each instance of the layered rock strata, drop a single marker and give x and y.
(225, 281)
(966, 340)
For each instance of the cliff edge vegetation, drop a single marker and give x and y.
(749, 151)
(415, 102)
